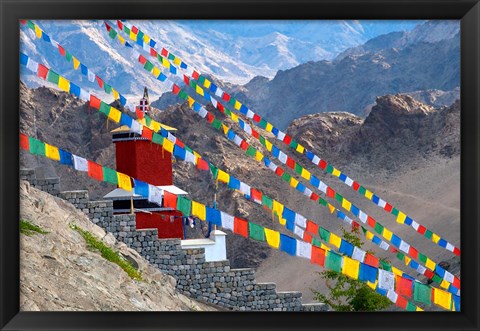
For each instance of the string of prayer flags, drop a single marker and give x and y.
(331, 260)
(286, 139)
(363, 216)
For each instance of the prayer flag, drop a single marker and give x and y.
(256, 231)
(272, 237)
(240, 227)
(124, 181)
(333, 261)
(422, 293)
(350, 267)
(52, 152)
(288, 244)
(110, 176)
(184, 205)
(318, 256)
(79, 163)
(199, 210)
(95, 170)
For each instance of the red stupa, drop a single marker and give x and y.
(149, 162)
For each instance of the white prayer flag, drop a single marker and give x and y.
(449, 277)
(316, 160)
(250, 114)
(32, 65)
(404, 247)
(202, 112)
(358, 254)
(384, 245)
(237, 140)
(304, 249)
(155, 194)
(79, 163)
(415, 225)
(392, 295)
(137, 127)
(189, 157)
(227, 221)
(362, 216)
(307, 192)
(84, 95)
(282, 157)
(349, 181)
(322, 187)
(280, 135)
(244, 188)
(90, 75)
(219, 92)
(386, 280)
(300, 220)
(298, 231)
(214, 102)
(421, 269)
(450, 247)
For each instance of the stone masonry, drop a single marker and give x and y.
(213, 282)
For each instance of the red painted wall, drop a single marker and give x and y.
(144, 160)
(166, 229)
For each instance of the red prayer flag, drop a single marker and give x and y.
(139, 113)
(202, 165)
(287, 139)
(142, 59)
(195, 75)
(312, 227)
(355, 226)
(371, 221)
(186, 80)
(318, 256)
(421, 229)
(179, 143)
(134, 29)
(255, 134)
(99, 81)
(210, 117)
(322, 164)
(429, 274)
(164, 52)
(256, 195)
(153, 52)
(401, 302)
(95, 170)
(23, 22)
(456, 251)
(330, 192)
(61, 50)
(314, 196)
(279, 171)
(226, 96)
(42, 71)
(403, 286)
(456, 282)
(176, 89)
(94, 102)
(371, 260)
(147, 133)
(108, 27)
(169, 200)
(307, 237)
(355, 186)
(257, 118)
(413, 252)
(120, 24)
(290, 162)
(220, 107)
(388, 207)
(240, 227)
(24, 144)
(244, 145)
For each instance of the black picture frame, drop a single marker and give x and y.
(468, 11)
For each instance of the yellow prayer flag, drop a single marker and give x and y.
(237, 105)
(282, 221)
(435, 238)
(277, 208)
(401, 217)
(122, 40)
(168, 145)
(269, 127)
(197, 155)
(223, 176)
(155, 126)
(124, 181)
(372, 285)
(331, 208)
(165, 63)
(76, 63)
(146, 39)
(397, 271)
(225, 128)
(115, 93)
(324, 247)
(207, 83)
(293, 182)
(272, 237)
(199, 90)
(38, 32)
(336, 172)
(445, 284)
(52, 152)
(191, 101)
(387, 234)
(234, 117)
(63, 84)
(268, 145)
(335, 240)
(346, 204)
(156, 72)
(306, 174)
(407, 260)
(133, 36)
(430, 264)
(199, 210)
(368, 195)
(350, 267)
(442, 298)
(177, 61)
(114, 114)
(369, 235)
(258, 156)
(300, 148)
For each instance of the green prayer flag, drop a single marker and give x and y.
(110, 176)
(267, 202)
(126, 30)
(183, 95)
(256, 231)
(422, 293)
(112, 33)
(148, 66)
(322, 201)
(251, 151)
(362, 190)
(364, 230)
(400, 256)
(213, 170)
(53, 77)
(157, 138)
(298, 168)
(36, 146)
(293, 144)
(184, 205)
(385, 265)
(262, 124)
(422, 258)
(217, 124)
(148, 120)
(395, 211)
(68, 56)
(30, 25)
(232, 101)
(286, 177)
(228, 112)
(411, 306)
(428, 234)
(324, 234)
(171, 56)
(201, 79)
(378, 228)
(104, 108)
(333, 261)
(262, 140)
(140, 35)
(338, 197)
(316, 242)
(329, 169)
(107, 88)
(437, 279)
(193, 84)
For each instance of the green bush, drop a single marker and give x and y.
(29, 229)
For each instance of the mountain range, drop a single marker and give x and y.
(233, 51)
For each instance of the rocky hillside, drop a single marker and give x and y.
(58, 272)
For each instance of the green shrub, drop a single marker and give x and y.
(29, 229)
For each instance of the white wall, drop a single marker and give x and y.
(215, 248)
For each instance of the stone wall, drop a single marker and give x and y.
(213, 282)
(49, 185)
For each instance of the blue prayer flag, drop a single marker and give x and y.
(74, 89)
(140, 188)
(375, 199)
(367, 273)
(346, 248)
(23, 59)
(396, 240)
(314, 181)
(342, 177)
(234, 183)
(126, 120)
(179, 152)
(243, 109)
(213, 216)
(65, 157)
(288, 244)
(83, 69)
(45, 37)
(310, 155)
